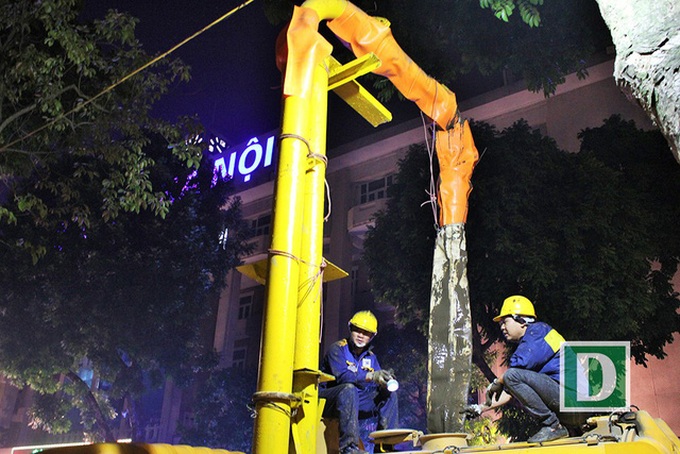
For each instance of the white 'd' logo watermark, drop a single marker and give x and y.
(594, 376)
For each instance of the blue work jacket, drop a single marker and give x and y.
(539, 350)
(340, 362)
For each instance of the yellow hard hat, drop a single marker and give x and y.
(365, 320)
(516, 305)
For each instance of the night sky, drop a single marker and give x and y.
(235, 86)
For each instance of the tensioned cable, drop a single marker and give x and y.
(432, 190)
(308, 284)
(129, 75)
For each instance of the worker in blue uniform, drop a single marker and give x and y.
(360, 384)
(533, 377)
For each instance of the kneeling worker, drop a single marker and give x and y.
(534, 374)
(360, 384)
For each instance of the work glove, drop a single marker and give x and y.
(472, 411)
(381, 377)
(493, 391)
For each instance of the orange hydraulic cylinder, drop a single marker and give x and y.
(457, 155)
(366, 34)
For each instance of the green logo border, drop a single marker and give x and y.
(597, 347)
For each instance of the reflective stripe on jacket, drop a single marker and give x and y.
(539, 350)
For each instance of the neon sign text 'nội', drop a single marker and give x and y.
(245, 162)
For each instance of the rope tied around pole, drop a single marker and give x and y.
(273, 399)
(296, 258)
(321, 266)
(309, 283)
(317, 157)
(298, 137)
(323, 159)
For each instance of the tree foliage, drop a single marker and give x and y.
(56, 101)
(111, 253)
(128, 294)
(642, 163)
(398, 249)
(461, 37)
(588, 236)
(222, 413)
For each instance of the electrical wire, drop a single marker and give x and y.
(128, 76)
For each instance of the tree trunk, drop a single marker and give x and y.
(102, 424)
(450, 334)
(135, 429)
(646, 35)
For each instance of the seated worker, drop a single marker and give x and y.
(534, 374)
(360, 384)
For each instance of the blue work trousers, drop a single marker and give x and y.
(346, 401)
(537, 392)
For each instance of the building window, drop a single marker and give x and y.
(374, 190)
(261, 225)
(86, 375)
(86, 372)
(354, 276)
(245, 304)
(238, 358)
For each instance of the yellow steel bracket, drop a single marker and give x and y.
(257, 271)
(303, 379)
(341, 79)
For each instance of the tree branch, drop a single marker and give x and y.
(32, 107)
(15, 115)
(478, 356)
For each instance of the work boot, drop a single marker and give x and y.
(549, 433)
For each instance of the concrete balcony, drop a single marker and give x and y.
(260, 247)
(360, 217)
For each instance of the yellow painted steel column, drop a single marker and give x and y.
(306, 363)
(326, 9)
(274, 390)
(304, 104)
